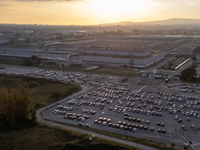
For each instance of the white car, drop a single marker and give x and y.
(134, 129)
(87, 125)
(148, 112)
(102, 113)
(104, 123)
(176, 117)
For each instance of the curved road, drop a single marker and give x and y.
(40, 118)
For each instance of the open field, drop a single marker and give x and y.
(42, 137)
(11, 62)
(105, 71)
(43, 91)
(118, 72)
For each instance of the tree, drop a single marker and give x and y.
(124, 66)
(172, 145)
(27, 40)
(194, 65)
(71, 35)
(194, 58)
(188, 73)
(35, 59)
(27, 61)
(57, 95)
(16, 105)
(30, 60)
(60, 36)
(185, 147)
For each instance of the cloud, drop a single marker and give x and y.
(43, 0)
(47, 0)
(195, 4)
(5, 5)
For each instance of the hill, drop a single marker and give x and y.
(173, 21)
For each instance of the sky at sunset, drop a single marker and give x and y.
(88, 12)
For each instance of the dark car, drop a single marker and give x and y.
(99, 122)
(130, 128)
(162, 124)
(159, 130)
(117, 126)
(147, 122)
(183, 127)
(126, 128)
(93, 112)
(141, 127)
(126, 114)
(79, 119)
(124, 123)
(113, 125)
(163, 131)
(129, 118)
(133, 119)
(133, 125)
(81, 124)
(152, 129)
(128, 124)
(180, 120)
(110, 124)
(158, 123)
(108, 120)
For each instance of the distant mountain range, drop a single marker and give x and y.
(173, 21)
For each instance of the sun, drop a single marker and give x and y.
(109, 8)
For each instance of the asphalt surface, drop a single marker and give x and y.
(41, 118)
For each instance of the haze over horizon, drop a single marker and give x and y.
(91, 12)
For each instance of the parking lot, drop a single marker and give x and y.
(120, 109)
(125, 108)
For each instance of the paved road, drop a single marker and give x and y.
(40, 118)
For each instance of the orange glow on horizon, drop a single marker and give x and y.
(91, 12)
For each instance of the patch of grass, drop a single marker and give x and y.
(43, 137)
(11, 62)
(160, 82)
(124, 80)
(150, 143)
(115, 72)
(43, 91)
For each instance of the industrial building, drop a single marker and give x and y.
(140, 62)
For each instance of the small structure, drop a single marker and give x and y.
(13, 39)
(177, 77)
(93, 68)
(155, 75)
(144, 81)
(61, 62)
(198, 59)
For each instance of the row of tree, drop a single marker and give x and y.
(16, 104)
(31, 60)
(190, 73)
